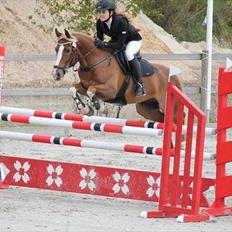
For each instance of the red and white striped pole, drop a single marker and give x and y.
(80, 117)
(80, 125)
(81, 143)
(149, 150)
(85, 118)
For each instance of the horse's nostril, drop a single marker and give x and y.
(58, 74)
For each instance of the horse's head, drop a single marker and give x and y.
(66, 54)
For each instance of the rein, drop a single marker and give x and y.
(89, 68)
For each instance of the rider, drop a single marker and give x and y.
(123, 36)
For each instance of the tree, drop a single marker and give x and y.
(223, 23)
(182, 18)
(72, 14)
(77, 15)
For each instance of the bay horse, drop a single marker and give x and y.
(101, 76)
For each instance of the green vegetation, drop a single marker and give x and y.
(182, 18)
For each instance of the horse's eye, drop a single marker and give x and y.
(68, 50)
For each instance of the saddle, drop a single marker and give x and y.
(146, 67)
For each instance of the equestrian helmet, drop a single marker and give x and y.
(105, 5)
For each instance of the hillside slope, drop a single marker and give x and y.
(20, 36)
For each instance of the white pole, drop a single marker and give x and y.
(2, 54)
(209, 49)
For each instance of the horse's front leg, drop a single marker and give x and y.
(80, 105)
(91, 91)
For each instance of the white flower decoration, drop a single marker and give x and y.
(87, 179)
(21, 171)
(154, 186)
(54, 175)
(121, 183)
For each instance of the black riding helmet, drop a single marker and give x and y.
(105, 5)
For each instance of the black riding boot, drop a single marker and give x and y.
(137, 77)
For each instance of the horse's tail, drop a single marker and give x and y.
(177, 81)
(165, 72)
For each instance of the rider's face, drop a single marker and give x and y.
(103, 15)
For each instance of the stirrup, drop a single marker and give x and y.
(139, 90)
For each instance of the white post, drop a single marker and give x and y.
(2, 54)
(209, 49)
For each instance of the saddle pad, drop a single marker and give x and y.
(147, 68)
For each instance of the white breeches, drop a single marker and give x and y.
(132, 48)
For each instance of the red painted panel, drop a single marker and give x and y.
(87, 179)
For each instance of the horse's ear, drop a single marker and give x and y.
(58, 34)
(68, 35)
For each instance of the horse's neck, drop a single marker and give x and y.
(86, 45)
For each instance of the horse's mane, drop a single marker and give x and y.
(77, 36)
(84, 36)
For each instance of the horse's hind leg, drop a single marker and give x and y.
(150, 110)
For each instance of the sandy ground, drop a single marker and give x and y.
(26, 210)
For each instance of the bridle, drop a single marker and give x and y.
(81, 57)
(72, 62)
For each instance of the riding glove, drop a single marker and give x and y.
(99, 43)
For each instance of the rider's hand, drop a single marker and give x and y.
(99, 43)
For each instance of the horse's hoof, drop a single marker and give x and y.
(95, 103)
(90, 112)
(97, 106)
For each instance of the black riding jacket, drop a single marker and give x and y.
(121, 32)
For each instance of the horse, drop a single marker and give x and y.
(102, 77)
